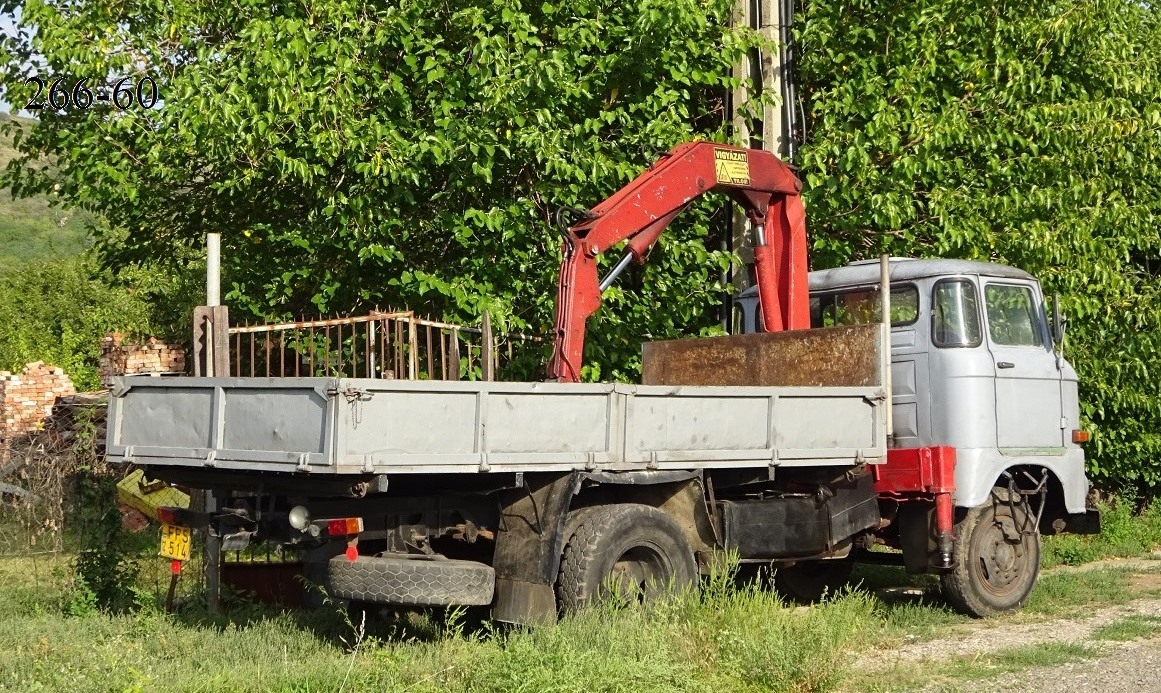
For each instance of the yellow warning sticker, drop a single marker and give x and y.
(732, 167)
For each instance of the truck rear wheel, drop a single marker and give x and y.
(636, 551)
(997, 557)
(808, 582)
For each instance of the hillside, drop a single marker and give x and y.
(31, 229)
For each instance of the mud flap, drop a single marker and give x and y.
(528, 547)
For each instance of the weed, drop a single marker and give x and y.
(1063, 594)
(949, 675)
(1129, 628)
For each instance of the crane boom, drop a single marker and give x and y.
(765, 187)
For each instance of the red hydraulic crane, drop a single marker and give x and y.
(757, 180)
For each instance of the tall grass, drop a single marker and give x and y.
(722, 638)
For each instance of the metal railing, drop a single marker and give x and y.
(382, 344)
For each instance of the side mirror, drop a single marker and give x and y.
(1059, 322)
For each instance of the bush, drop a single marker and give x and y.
(57, 311)
(1124, 532)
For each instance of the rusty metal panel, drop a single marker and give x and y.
(847, 356)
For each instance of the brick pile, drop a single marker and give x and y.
(27, 398)
(153, 357)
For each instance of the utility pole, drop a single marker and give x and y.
(773, 128)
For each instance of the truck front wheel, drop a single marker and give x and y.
(997, 557)
(635, 551)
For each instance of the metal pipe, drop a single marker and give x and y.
(612, 276)
(213, 269)
(213, 549)
(885, 290)
(759, 235)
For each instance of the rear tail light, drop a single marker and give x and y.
(344, 526)
(1079, 436)
(168, 516)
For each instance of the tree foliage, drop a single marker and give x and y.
(1028, 134)
(394, 153)
(57, 311)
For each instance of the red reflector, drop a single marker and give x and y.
(344, 526)
(167, 516)
(352, 553)
(1079, 436)
(175, 567)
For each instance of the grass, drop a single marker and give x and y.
(1129, 628)
(721, 639)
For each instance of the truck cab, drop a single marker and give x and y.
(976, 365)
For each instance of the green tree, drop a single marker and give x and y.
(1023, 133)
(394, 153)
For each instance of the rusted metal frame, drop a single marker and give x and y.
(368, 351)
(430, 353)
(412, 350)
(383, 348)
(303, 324)
(399, 370)
(311, 343)
(443, 354)
(238, 355)
(327, 351)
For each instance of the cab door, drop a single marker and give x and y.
(1028, 409)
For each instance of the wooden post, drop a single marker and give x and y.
(487, 349)
(455, 353)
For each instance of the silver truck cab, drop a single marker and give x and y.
(974, 367)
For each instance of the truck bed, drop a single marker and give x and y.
(341, 426)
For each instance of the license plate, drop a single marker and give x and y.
(175, 542)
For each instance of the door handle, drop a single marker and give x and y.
(1005, 364)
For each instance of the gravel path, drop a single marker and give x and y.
(1130, 667)
(1120, 667)
(972, 638)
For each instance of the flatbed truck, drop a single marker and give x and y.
(797, 446)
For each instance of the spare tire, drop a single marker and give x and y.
(418, 581)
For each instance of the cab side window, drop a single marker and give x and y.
(1011, 315)
(955, 314)
(859, 306)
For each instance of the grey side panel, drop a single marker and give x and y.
(265, 419)
(318, 425)
(151, 414)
